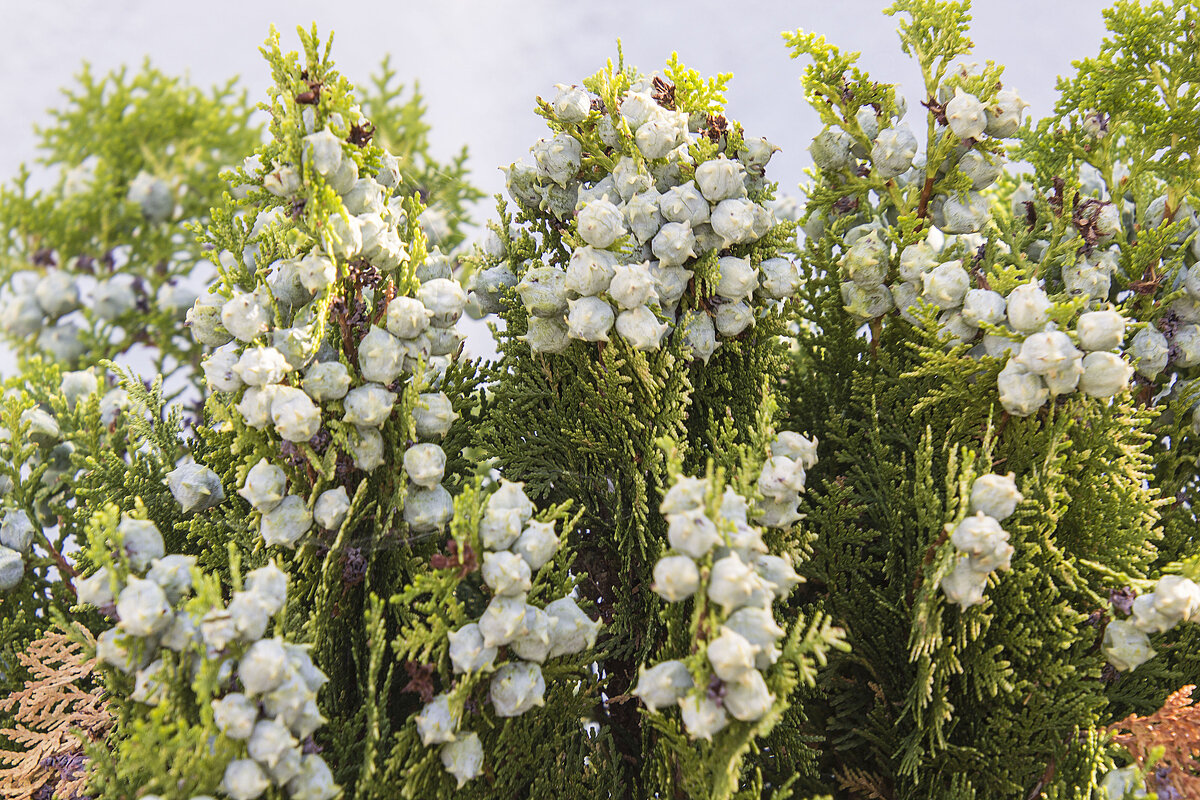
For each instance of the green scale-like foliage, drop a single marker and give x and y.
(112, 133)
(326, 605)
(596, 430)
(534, 751)
(1141, 89)
(38, 473)
(587, 424)
(1001, 699)
(123, 466)
(888, 682)
(932, 692)
(116, 130)
(770, 756)
(1147, 152)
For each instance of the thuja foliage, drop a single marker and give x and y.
(647, 206)
(53, 424)
(99, 254)
(100, 262)
(894, 501)
(959, 319)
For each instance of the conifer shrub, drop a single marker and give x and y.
(890, 497)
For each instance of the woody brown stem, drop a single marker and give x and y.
(923, 203)
(68, 571)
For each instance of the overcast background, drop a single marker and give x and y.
(480, 63)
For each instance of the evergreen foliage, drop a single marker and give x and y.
(591, 423)
(137, 164)
(895, 500)
(999, 699)
(134, 161)
(49, 434)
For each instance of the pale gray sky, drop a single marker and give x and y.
(481, 62)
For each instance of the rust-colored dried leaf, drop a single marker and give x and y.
(60, 699)
(1176, 728)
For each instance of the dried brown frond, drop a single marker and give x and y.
(420, 680)
(862, 785)
(664, 93)
(361, 133)
(715, 126)
(60, 699)
(1176, 728)
(465, 562)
